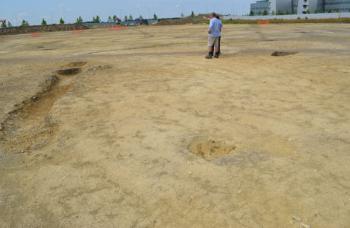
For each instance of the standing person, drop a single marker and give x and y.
(214, 37)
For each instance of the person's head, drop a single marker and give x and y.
(215, 15)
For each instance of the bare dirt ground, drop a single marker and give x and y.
(134, 128)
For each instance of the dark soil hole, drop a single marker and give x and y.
(76, 64)
(69, 71)
(283, 53)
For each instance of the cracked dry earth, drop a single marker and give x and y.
(134, 128)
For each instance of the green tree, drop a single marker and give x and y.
(110, 19)
(61, 21)
(155, 17)
(24, 23)
(265, 12)
(9, 24)
(43, 22)
(79, 20)
(96, 19)
(115, 18)
(130, 17)
(192, 14)
(141, 18)
(251, 13)
(126, 18)
(3, 24)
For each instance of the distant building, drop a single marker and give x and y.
(307, 6)
(336, 5)
(139, 21)
(302, 6)
(152, 21)
(131, 23)
(271, 7)
(281, 7)
(260, 7)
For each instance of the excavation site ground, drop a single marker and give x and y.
(135, 128)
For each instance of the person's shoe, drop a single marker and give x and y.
(209, 55)
(216, 56)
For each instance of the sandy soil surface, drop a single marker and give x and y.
(134, 128)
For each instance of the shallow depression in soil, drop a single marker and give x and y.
(210, 149)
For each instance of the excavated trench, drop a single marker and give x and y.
(31, 126)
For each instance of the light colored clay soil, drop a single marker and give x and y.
(145, 132)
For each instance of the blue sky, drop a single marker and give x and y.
(34, 10)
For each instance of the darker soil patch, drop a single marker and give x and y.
(76, 64)
(283, 53)
(69, 71)
(93, 69)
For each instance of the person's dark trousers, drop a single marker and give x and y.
(219, 49)
(210, 53)
(218, 52)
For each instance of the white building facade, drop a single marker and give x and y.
(336, 5)
(272, 7)
(260, 7)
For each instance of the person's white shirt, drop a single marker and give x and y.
(215, 27)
